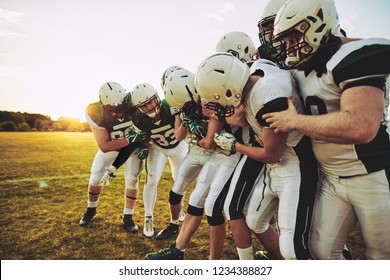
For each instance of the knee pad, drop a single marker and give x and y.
(174, 198)
(195, 211)
(216, 220)
(95, 179)
(132, 185)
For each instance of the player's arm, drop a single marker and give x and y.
(180, 130)
(271, 152)
(357, 122)
(214, 126)
(104, 142)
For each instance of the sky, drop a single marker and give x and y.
(55, 54)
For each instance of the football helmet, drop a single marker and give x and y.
(167, 72)
(305, 26)
(219, 81)
(180, 93)
(145, 99)
(239, 44)
(113, 99)
(269, 49)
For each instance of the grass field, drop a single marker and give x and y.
(39, 221)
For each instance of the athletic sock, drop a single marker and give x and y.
(93, 204)
(128, 211)
(245, 253)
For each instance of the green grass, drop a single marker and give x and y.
(42, 223)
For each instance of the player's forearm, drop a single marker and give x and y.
(113, 145)
(259, 153)
(338, 127)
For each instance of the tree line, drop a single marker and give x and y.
(17, 121)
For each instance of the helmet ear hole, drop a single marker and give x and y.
(229, 93)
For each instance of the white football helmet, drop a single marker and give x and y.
(145, 99)
(269, 49)
(266, 21)
(168, 72)
(239, 44)
(219, 81)
(180, 92)
(113, 98)
(310, 23)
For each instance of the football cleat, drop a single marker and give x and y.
(148, 227)
(88, 216)
(346, 254)
(129, 224)
(167, 232)
(170, 253)
(262, 255)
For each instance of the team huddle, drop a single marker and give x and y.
(288, 142)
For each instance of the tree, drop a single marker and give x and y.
(23, 127)
(8, 126)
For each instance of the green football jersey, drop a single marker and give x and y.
(162, 132)
(117, 128)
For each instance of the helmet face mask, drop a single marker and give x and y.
(221, 111)
(297, 50)
(151, 107)
(266, 28)
(146, 101)
(190, 109)
(117, 111)
(309, 24)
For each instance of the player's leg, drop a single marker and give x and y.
(188, 171)
(370, 197)
(244, 177)
(333, 219)
(175, 158)
(133, 168)
(221, 176)
(100, 162)
(262, 205)
(154, 166)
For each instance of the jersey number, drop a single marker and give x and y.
(315, 101)
(118, 134)
(165, 139)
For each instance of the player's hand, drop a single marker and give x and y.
(226, 141)
(109, 175)
(136, 136)
(284, 121)
(142, 152)
(198, 128)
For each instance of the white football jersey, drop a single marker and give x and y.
(268, 94)
(355, 63)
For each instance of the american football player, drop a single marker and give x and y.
(288, 182)
(190, 126)
(157, 120)
(241, 46)
(113, 130)
(342, 86)
(215, 169)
